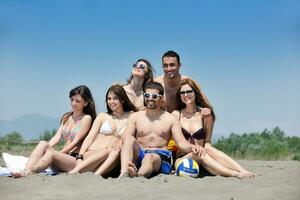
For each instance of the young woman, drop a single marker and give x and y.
(73, 128)
(198, 130)
(141, 74)
(101, 149)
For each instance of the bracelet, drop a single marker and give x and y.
(79, 157)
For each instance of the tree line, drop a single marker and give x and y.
(266, 145)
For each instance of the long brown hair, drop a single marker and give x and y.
(119, 91)
(199, 99)
(148, 76)
(86, 94)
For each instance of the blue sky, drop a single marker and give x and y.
(245, 54)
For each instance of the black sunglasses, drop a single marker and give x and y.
(141, 66)
(188, 92)
(154, 96)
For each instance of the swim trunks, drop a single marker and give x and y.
(165, 156)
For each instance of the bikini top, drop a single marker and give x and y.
(198, 135)
(107, 130)
(70, 135)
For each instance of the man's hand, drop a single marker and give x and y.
(205, 112)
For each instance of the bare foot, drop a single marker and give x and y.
(21, 174)
(242, 175)
(131, 170)
(251, 174)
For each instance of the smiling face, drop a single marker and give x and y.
(152, 98)
(114, 102)
(77, 103)
(187, 94)
(170, 67)
(140, 69)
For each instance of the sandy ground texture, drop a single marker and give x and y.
(276, 180)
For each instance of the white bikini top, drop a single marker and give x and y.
(106, 130)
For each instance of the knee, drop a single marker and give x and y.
(43, 144)
(151, 158)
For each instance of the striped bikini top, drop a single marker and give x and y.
(70, 135)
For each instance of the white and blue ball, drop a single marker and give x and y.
(187, 167)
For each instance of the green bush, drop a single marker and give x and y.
(265, 145)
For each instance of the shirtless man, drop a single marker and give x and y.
(171, 81)
(148, 132)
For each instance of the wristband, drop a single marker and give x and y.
(79, 157)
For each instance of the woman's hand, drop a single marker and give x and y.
(197, 150)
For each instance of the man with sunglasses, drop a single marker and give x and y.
(171, 81)
(148, 132)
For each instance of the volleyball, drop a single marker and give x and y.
(187, 167)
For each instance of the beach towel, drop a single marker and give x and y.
(16, 163)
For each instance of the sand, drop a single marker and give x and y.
(275, 180)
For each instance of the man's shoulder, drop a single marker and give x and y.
(138, 113)
(168, 115)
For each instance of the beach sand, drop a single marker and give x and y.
(276, 180)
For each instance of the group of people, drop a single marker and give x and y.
(150, 123)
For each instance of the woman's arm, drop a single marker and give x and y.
(56, 138)
(92, 134)
(84, 128)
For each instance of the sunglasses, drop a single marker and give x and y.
(141, 66)
(188, 92)
(154, 96)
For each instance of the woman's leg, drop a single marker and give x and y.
(91, 161)
(36, 154)
(217, 168)
(43, 163)
(62, 162)
(111, 161)
(224, 159)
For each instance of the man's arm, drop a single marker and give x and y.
(130, 126)
(208, 127)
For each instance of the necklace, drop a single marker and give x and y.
(190, 113)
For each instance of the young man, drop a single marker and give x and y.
(171, 80)
(148, 132)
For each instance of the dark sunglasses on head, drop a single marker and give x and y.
(154, 96)
(141, 66)
(188, 92)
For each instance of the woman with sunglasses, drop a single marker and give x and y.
(198, 130)
(141, 74)
(101, 148)
(73, 128)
